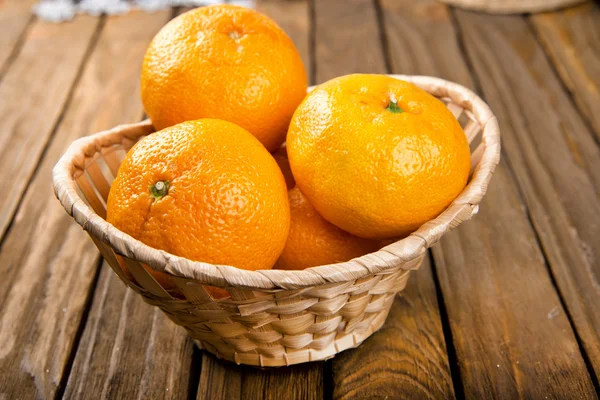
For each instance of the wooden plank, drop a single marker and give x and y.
(506, 346)
(407, 356)
(345, 35)
(15, 16)
(553, 156)
(220, 379)
(422, 41)
(511, 334)
(570, 37)
(32, 95)
(129, 349)
(224, 380)
(293, 17)
(47, 262)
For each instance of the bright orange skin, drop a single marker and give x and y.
(370, 171)
(224, 62)
(227, 200)
(313, 241)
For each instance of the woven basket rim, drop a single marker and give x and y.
(409, 248)
(512, 7)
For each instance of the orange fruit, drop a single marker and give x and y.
(225, 62)
(280, 156)
(313, 241)
(206, 190)
(377, 156)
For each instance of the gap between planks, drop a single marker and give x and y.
(569, 38)
(408, 356)
(453, 73)
(15, 21)
(29, 155)
(567, 294)
(46, 282)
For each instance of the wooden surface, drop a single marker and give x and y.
(506, 306)
(561, 197)
(571, 39)
(15, 16)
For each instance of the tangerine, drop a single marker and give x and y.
(206, 190)
(377, 156)
(225, 62)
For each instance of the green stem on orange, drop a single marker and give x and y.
(159, 189)
(394, 107)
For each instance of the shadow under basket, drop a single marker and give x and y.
(272, 317)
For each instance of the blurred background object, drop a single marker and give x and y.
(65, 10)
(511, 6)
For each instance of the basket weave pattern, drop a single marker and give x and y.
(272, 317)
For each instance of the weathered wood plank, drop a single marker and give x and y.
(129, 349)
(219, 380)
(345, 34)
(32, 95)
(223, 380)
(571, 37)
(15, 15)
(47, 262)
(422, 41)
(293, 17)
(499, 323)
(510, 332)
(408, 357)
(553, 156)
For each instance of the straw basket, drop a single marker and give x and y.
(512, 6)
(272, 317)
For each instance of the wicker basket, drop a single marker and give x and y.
(273, 317)
(512, 6)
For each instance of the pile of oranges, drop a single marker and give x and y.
(366, 158)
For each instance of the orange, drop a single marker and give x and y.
(312, 241)
(280, 155)
(377, 156)
(206, 190)
(225, 62)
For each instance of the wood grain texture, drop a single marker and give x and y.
(224, 380)
(422, 41)
(347, 39)
(511, 334)
(571, 38)
(129, 349)
(506, 344)
(553, 156)
(32, 95)
(47, 262)
(15, 15)
(407, 358)
(293, 18)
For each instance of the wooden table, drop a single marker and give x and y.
(506, 306)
